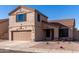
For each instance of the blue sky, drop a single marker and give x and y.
(54, 12)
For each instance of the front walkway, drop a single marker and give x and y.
(27, 46)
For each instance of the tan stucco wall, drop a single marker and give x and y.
(29, 24)
(29, 18)
(76, 34)
(39, 32)
(71, 33)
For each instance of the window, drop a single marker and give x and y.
(63, 32)
(47, 33)
(20, 17)
(38, 18)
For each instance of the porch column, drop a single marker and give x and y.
(70, 33)
(50, 34)
(33, 34)
(56, 33)
(10, 36)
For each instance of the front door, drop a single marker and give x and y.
(49, 34)
(52, 36)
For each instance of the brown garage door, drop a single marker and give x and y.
(22, 35)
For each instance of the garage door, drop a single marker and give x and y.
(22, 35)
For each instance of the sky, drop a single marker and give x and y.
(54, 12)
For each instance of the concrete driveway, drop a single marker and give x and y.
(16, 46)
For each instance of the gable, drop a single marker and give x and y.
(21, 9)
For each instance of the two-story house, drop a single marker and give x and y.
(27, 24)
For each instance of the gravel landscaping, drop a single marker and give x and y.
(66, 46)
(41, 47)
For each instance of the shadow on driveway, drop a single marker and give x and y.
(12, 51)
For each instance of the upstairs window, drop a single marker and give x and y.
(38, 17)
(20, 17)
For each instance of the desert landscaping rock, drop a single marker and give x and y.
(39, 47)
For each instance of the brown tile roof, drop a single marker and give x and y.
(55, 24)
(65, 22)
(3, 20)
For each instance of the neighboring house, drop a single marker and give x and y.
(28, 24)
(4, 23)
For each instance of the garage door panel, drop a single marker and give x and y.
(22, 35)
